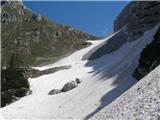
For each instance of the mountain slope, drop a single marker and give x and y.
(145, 104)
(107, 75)
(30, 39)
(36, 38)
(102, 82)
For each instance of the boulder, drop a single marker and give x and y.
(78, 80)
(69, 86)
(54, 91)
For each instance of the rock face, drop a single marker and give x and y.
(141, 102)
(69, 86)
(138, 16)
(149, 58)
(35, 37)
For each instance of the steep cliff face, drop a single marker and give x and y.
(138, 16)
(35, 37)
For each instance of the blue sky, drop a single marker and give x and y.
(94, 17)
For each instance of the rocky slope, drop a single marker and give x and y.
(36, 38)
(141, 102)
(136, 18)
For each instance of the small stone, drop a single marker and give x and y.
(78, 80)
(138, 88)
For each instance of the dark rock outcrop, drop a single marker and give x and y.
(78, 80)
(149, 58)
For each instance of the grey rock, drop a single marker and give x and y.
(54, 91)
(78, 80)
(69, 86)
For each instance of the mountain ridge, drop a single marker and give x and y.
(34, 34)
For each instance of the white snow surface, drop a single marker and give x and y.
(103, 80)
